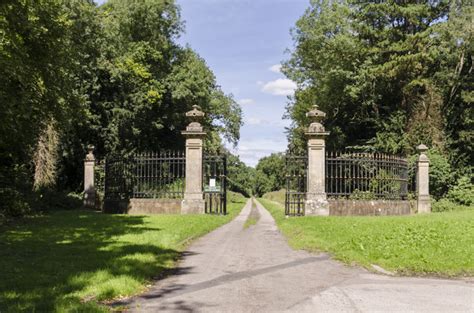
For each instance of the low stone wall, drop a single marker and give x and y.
(143, 206)
(154, 206)
(115, 206)
(341, 207)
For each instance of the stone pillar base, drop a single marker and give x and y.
(89, 200)
(423, 204)
(317, 205)
(193, 206)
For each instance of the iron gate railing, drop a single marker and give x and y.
(147, 175)
(118, 182)
(215, 184)
(162, 176)
(159, 175)
(296, 184)
(366, 176)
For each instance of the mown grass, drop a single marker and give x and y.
(278, 196)
(72, 260)
(440, 244)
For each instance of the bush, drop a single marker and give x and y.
(446, 205)
(12, 204)
(441, 174)
(463, 192)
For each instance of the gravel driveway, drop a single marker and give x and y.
(234, 269)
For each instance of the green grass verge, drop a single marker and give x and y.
(440, 244)
(278, 196)
(72, 260)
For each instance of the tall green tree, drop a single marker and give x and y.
(273, 168)
(389, 75)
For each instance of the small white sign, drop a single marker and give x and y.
(212, 182)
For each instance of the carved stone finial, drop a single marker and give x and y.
(90, 153)
(316, 116)
(195, 115)
(422, 148)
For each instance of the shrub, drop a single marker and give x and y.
(12, 203)
(446, 205)
(441, 174)
(463, 192)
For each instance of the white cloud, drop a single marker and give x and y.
(250, 151)
(245, 101)
(275, 68)
(280, 87)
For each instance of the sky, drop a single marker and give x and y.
(244, 42)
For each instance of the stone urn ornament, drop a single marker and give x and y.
(316, 116)
(196, 116)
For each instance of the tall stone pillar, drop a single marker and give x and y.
(89, 188)
(193, 201)
(316, 200)
(423, 181)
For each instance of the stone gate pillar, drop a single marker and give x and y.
(193, 196)
(316, 200)
(89, 188)
(423, 203)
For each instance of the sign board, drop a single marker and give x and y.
(212, 186)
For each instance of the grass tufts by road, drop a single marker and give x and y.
(71, 261)
(440, 244)
(253, 217)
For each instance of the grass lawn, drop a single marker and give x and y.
(71, 260)
(440, 244)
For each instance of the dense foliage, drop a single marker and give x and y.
(112, 76)
(270, 174)
(390, 75)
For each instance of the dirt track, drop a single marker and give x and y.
(253, 270)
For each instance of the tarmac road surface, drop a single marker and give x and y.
(233, 269)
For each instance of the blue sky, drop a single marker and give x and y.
(243, 42)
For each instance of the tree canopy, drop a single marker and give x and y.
(390, 75)
(113, 76)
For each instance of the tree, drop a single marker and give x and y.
(273, 168)
(113, 76)
(389, 75)
(240, 176)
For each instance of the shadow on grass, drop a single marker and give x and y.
(58, 261)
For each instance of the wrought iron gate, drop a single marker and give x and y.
(215, 184)
(296, 184)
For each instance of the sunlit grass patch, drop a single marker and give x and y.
(434, 244)
(71, 260)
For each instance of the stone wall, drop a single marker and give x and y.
(154, 206)
(341, 207)
(143, 206)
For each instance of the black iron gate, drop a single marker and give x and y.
(296, 183)
(215, 184)
(118, 183)
(161, 176)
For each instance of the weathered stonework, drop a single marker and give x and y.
(89, 188)
(193, 202)
(422, 181)
(316, 200)
(346, 207)
(154, 206)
